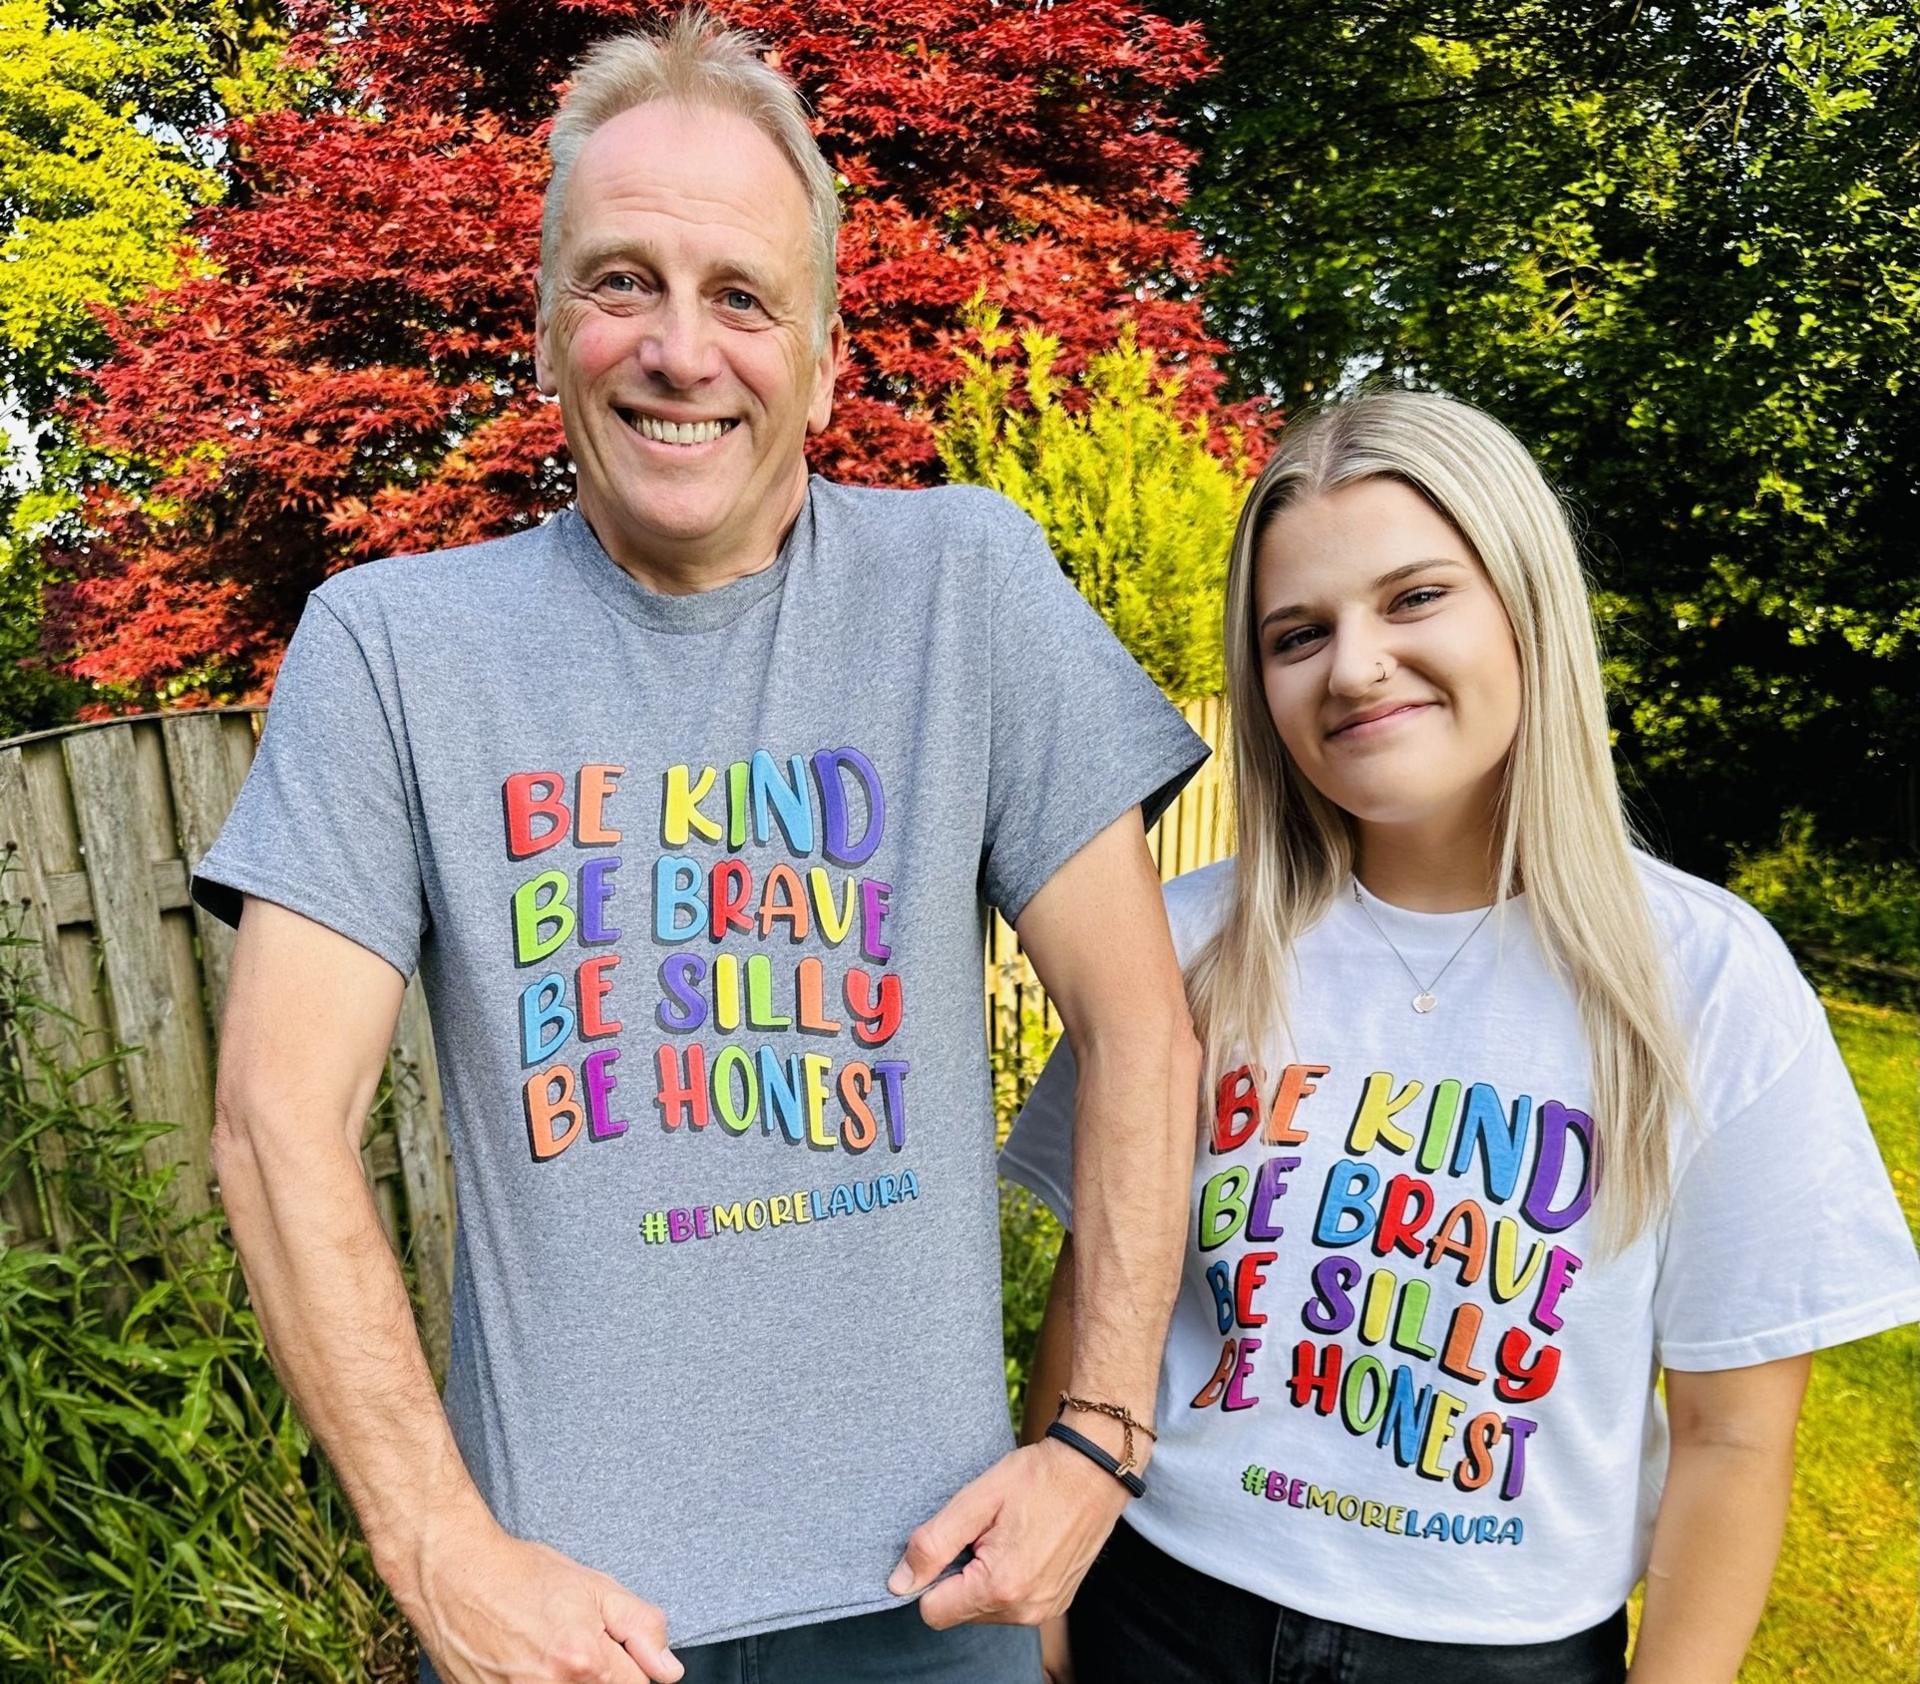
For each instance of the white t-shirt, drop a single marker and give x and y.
(1401, 1389)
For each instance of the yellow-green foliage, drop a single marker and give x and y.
(1137, 508)
(95, 187)
(104, 155)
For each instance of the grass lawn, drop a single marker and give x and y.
(1846, 1594)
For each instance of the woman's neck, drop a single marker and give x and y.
(1435, 866)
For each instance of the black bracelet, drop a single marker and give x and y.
(1093, 1453)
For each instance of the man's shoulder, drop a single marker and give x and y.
(957, 515)
(436, 583)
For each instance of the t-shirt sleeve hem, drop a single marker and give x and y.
(219, 887)
(1153, 793)
(1836, 1327)
(1040, 1184)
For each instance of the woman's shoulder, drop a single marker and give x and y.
(1705, 926)
(1738, 989)
(1196, 903)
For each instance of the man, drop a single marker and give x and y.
(685, 803)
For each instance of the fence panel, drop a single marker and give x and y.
(133, 863)
(207, 759)
(103, 821)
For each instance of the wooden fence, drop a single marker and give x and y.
(98, 825)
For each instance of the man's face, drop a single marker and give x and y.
(681, 340)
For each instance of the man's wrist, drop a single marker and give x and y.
(1110, 1430)
(444, 1521)
(1115, 1466)
(1100, 1487)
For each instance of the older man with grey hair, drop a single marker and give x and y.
(687, 805)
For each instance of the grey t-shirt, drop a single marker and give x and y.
(696, 885)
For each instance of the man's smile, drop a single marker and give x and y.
(659, 429)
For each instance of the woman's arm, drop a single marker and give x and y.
(1729, 1478)
(1046, 1380)
(1052, 1352)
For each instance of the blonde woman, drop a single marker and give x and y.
(1504, 1121)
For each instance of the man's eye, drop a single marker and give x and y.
(618, 283)
(736, 299)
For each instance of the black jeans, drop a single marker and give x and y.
(1143, 1618)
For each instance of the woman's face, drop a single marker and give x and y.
(1389, 666)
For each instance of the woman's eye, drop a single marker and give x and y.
(1291, 643)
(1420, 596)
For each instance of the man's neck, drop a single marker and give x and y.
(705, 564)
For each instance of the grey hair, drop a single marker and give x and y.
(697, 62)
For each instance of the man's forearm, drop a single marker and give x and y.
(1133, 1165)
(340, 1331)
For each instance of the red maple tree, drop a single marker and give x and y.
(356, 379)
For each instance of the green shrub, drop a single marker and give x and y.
(164, 1515)
(1853, 921)
(1029, 1242)
(1131, 496)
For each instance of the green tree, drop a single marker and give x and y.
(1677, 249)
(1138, 503)
(104, 156)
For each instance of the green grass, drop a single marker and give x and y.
(1847, 1588)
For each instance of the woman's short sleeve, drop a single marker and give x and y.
(1784, 1235)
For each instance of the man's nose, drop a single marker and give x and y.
(678, 349)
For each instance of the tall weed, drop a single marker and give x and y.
(164, 1516)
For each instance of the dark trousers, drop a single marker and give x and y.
(1143, 1618)
(894, 1646)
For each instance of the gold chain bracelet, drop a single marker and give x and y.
(1115, 1412)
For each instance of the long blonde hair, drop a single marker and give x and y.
(1561, 830)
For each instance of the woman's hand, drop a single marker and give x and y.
(1055, 1657)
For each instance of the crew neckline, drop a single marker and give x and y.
(660, 611)
(1410, 929)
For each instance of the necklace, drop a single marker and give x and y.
(1424, 999)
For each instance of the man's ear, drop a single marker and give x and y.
(826, 375)
(542, 362)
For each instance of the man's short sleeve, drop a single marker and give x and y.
(1784, 1235)
(323, 825)
(1078, 732)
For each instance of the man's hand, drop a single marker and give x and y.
(1034, 1520)
(490, 1608)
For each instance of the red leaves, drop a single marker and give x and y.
(357, 379)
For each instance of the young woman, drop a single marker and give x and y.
(1505, 1120)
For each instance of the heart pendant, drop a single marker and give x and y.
(1424, 1003)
